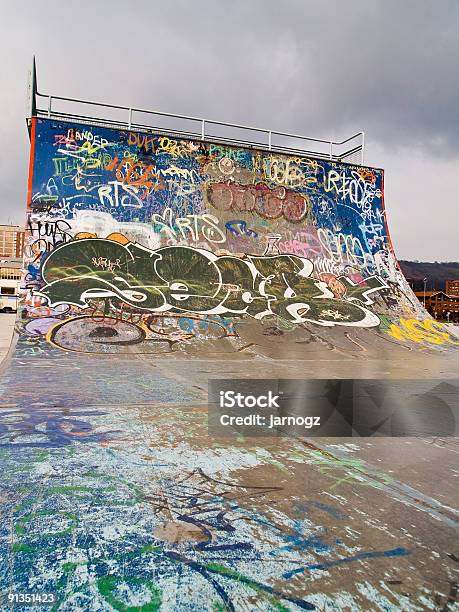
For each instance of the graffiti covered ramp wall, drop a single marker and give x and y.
(140, 243)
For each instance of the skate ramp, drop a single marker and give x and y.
(145, 244)
(154, 264)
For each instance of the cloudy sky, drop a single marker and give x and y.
(322, 68)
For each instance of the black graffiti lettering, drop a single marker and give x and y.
(53, 233)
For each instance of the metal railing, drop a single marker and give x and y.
(351, 149)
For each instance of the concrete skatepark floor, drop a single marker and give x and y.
(124, 500)
(6, 332)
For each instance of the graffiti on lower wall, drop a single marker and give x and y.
(189, 280)
(429, 331)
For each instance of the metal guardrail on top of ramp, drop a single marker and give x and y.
(350, 150)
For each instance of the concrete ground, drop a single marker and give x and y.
(114, 496)
(6, 331)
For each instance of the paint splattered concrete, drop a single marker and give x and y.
(114, 497)
(6, 332)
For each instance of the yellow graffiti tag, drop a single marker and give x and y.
(175, 148)
(422, 331)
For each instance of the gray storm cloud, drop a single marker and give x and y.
(325, 69)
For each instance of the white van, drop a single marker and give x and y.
(10, 279)
(8, 303)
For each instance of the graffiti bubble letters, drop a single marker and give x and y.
(187, 279)
(268, 203)
(429, 331)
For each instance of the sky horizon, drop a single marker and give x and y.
(324, 71)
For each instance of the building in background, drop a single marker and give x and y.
(452, 287)
(440, 305)
(11, 241)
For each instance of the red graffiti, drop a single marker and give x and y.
(268, 203)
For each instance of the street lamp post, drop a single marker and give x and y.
(425, 283)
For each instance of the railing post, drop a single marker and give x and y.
(270, 134)
(49, 105)
(203, 129)
(331, 150)
(130, 118)
(33, 90)
(363, 148)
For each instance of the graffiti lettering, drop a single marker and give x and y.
(184, 279)
(142, 141)
(353, 187)
(422, 331)
(239, 228)
(106, 264)
(341, 248)
(46, 235)
(268, 203)
(190, 226)
(110, 196)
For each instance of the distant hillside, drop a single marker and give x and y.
(436, 273)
